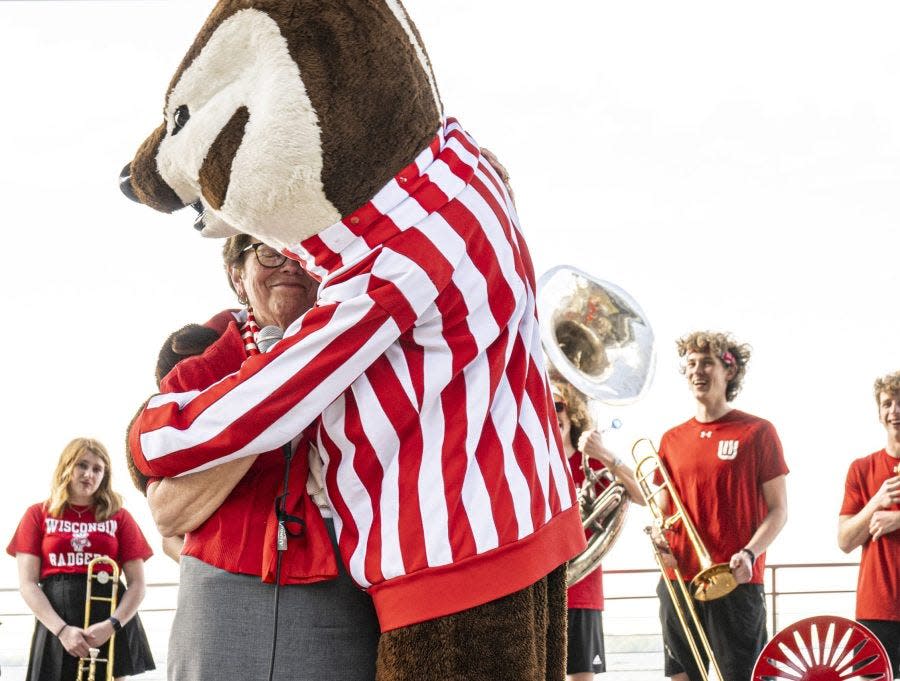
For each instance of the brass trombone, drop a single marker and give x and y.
(90, 663)
(713, 581)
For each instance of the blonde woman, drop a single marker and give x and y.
(55, 540)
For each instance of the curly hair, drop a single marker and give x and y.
(232, 253)
(725, 348)
(106, 501)
(889, 384)
(576, 409)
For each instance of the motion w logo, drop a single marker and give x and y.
(728, 449)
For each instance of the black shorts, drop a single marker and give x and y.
(888, 632)
(585, 642)
(735, 626)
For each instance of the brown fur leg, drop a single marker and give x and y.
(520, 637)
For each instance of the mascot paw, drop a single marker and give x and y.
(188, 341)
(137, 478)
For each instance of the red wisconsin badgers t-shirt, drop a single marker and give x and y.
(68, 543)
(878, 588)
(718, 470)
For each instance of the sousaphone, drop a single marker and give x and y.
(598, 339)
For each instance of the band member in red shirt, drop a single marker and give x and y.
(870, 517)
(585, 649)
(728, 468)
(55, 541)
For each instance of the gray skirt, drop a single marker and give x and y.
(327, 631)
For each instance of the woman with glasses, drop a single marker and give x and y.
(223, 625)
(586, 655)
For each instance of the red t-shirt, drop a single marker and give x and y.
(878, 588)
(588, 593)
(718, 470)
(68, 543)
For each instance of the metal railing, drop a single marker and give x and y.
(772, 582)
(631, 626)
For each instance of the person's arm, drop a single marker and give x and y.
(99, 633)
(172, 546)
(591, 443)
(72, 638)
(775, 496)
(275, 395)
(181, 505)
(854, 530)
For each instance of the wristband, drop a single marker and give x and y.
(60, 630)
(751, 554)
(116, 624)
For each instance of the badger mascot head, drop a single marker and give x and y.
(316, 127)
(284, 116)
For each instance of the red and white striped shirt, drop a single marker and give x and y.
(420, 366)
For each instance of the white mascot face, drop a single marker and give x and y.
(277, 123)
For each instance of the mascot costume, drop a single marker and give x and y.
(316, 127)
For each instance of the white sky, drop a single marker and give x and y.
(730, 166)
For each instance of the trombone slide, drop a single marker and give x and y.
(90, 663)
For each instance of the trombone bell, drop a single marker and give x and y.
(714, 582)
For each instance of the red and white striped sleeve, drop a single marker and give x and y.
(274, 396)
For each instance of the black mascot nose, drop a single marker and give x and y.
(125, 183)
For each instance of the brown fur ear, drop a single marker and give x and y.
(146, 183)
(137, 478)
(215, 172)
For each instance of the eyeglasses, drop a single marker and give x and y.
(266, 255)
(560, 407)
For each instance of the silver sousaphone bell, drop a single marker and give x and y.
(597, 338)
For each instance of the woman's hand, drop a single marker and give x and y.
(501, 170)
(74, 641)
(172, 546)
(99, 633)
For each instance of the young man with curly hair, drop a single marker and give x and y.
(870, 517)
(728, 469)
